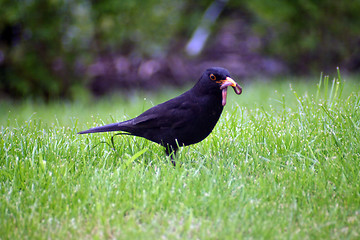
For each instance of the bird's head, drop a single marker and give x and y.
(218, 79)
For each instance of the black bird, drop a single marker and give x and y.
(183, 120)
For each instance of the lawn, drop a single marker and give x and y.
(282, 163)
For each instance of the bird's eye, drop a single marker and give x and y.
(212, 77)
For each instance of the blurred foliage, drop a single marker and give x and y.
(46, 45)
(37, 57)
(144, 26)
(309, 34)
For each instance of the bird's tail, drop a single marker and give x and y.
(106, 128)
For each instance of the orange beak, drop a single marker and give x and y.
(227, 82)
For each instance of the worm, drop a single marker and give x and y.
(224, 94)
(237, 89)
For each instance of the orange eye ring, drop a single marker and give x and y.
(212, 77)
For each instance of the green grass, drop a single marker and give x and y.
(282, 163)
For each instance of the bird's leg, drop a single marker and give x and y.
(171, 151)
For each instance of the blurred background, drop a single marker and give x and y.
(53, 49)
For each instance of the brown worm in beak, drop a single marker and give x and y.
(224, 94)
(237, 89)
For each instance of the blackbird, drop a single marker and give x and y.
(183, 120)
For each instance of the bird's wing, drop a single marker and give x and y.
(171, 114)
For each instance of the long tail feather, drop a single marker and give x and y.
(106, 128)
